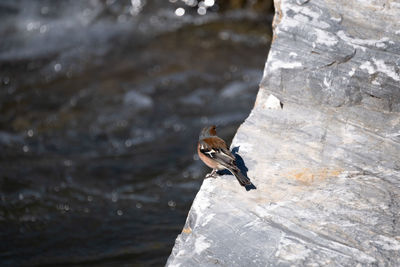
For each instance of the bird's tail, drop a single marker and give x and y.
(243, 180)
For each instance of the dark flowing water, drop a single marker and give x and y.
(101, 103)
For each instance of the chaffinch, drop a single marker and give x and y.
(215, 154)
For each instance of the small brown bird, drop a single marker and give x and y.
(215, 154)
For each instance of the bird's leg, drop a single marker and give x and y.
(212, 174)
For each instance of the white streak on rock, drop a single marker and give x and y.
(284, 65)
(394, 5)
(326, 83)
(291, 251)
(356, 42)
(202, 200)
(303, 15)
(200, 245)
(391, 135)
(301, 18)
(207, 219)
(381, 66)
(388, 70)
(306, 11)
(288, 23)
(306, 15)
(367, 66)
(375, 82)
(380, 45)
(388, 243)
(275, 63)
(325, 38)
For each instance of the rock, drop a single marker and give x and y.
(273, 102)
(326, 165)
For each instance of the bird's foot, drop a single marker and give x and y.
(212, 174)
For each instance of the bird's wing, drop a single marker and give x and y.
(216, 149)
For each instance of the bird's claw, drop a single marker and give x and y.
(211, 175)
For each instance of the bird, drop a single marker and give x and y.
(213, 151)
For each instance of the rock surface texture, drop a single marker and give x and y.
(327, 164)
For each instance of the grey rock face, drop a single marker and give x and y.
(327, 164)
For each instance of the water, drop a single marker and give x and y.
(101, 103)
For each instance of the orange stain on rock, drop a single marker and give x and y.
(187, 230)
(308, 176)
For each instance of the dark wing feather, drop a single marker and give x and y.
(216, 149)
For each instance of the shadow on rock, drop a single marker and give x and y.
(242, 167)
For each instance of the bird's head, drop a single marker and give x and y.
(208, 132)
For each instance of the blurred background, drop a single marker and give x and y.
(101, 104)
